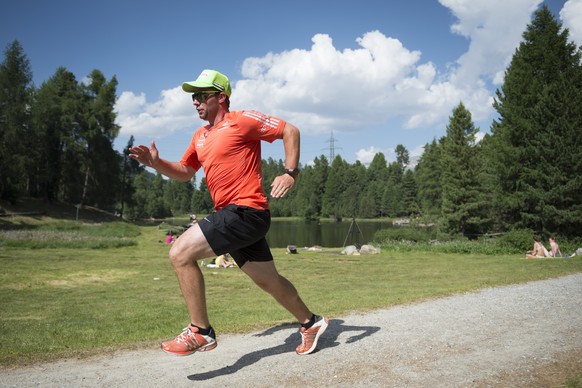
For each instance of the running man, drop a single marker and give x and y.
(229, 151)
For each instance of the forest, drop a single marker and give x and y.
(56, 144)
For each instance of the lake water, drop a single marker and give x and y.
(326, 234)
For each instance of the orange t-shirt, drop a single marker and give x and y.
(230, 154)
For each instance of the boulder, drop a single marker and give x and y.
(369, 250)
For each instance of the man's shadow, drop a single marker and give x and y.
(327, 340)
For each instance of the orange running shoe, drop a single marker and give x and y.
(190, 341)
(310, 336)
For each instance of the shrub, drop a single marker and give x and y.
(405, 234)
(517, 240)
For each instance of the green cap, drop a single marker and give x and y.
(208, 79)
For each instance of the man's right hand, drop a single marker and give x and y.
(147, 156)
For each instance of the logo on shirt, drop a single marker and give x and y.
(200, 142)
(268, 123)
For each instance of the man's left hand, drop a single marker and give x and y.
(282, 185)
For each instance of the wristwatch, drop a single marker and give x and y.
(294, 172)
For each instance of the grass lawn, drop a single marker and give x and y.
(62, 300)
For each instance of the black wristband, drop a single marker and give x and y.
(294, 172)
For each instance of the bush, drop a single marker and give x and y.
(517, 240)
(405, 233)
(429, 239)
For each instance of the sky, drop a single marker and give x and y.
(356, 78)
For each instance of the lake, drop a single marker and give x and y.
(303, 233)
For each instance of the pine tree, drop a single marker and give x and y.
(462, 206)
(428, 180)
(130, 169)
(16, 93)
(310, 188)
(537, 150)
(392, 196)
(377, 176)
(154, 205)
(409, 194)
(97, 131)
(353, 183)
(141, 184)
(55, 118)
(334, 187)
(402, 156)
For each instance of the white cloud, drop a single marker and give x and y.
(171, 113)
(324, 88)
(494, 28)
(571, 15)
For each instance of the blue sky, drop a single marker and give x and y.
(375, 73)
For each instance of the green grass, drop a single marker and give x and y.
(48, 233)
(72, 299)
(574, 381)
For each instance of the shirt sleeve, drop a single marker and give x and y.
(190, 157)
(261, 126)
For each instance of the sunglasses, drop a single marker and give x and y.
(202, 97)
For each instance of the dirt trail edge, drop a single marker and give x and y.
(519, 335)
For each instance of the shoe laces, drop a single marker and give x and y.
(307, 334)
(185, 335)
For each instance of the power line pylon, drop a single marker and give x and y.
(332, 140)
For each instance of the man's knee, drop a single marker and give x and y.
(179, 257)
(189, 248)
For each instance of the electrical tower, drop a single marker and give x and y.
(332, 147)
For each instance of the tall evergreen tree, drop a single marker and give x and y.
(402, 156)
(334, 187)
(428, 180)
(137, 206)
(367, 205)
(353, 181)
(16, 93)
(97, 131)
(392, 203)
(462, 205)
(409, 194)
(55, 116)
(130, 169)
(378, 169)
(303, 196)
(377, 175)
(155, 206)
(310, 189)
(391, 200)
(537, 150)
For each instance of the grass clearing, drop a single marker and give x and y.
(69, 300)
(50, 233)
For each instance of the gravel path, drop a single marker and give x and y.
(520, 335)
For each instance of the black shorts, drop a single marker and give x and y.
(239, 231)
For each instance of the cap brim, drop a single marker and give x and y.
(193, 87)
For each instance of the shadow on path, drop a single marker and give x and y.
(327, 340)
